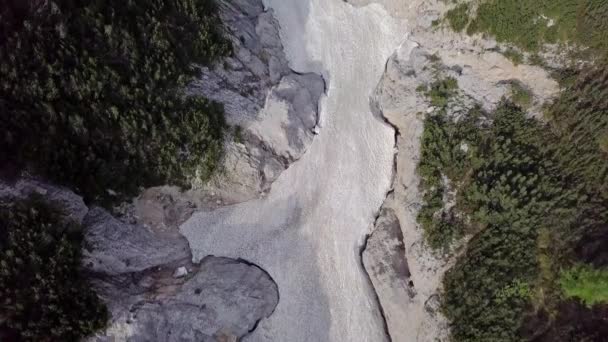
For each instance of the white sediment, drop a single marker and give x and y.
(306, 233)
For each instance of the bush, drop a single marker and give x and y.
(442, 155)
(586, 283)
(43, 295)
(487, 291)
(521, 96)
(90, 92)
(441, 91)
(458, 17)
(514, 56)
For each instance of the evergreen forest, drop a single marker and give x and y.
(92, 98)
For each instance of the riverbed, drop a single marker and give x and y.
(308, 230)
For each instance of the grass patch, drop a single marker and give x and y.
(238, 134)
(440, 91)
(585, 283)
(514, 56)
(90, 93)
(521, 95)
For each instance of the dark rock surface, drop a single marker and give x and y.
(133, 269)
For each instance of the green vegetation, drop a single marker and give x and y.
(238, 134)
(588, 284)
(43, 295)
(446, 153)
(531, 23)
(515, 56)
(92, 97)
(458, 17)
(520, 95)
(580, 114)
(90, 92)
(440, 91)
(527, 192)
(533, 196)
(507, 198)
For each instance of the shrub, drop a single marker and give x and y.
(43, 295)
(520, 95)
(586, 283)
(443, 156)
(514, 56)
(441, 91)
(90, 92)
(458, 17)
(485, 293)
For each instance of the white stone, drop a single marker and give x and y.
(180, 272)
(464, 147)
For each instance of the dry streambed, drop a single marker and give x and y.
(307, 231)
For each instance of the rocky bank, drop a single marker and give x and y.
(152, 289)
(410, 299)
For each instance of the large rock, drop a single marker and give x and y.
(273, 109)
(155, 293)
(115, 248)
(219, 300)
(386, 264)
(72, 205)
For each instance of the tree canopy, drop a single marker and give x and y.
(91, 92)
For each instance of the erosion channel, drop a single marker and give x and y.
(308, 230)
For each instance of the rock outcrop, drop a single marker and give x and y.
(404, 295)
(274, 110)
(146, 278)
(385, 262)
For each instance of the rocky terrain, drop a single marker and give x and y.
(139, 263)
(318, 194)
(149, 283)
(405, 273)
(272, 110)
(308, 230)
